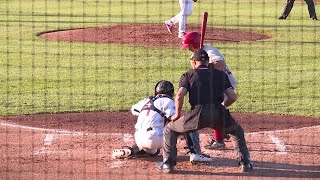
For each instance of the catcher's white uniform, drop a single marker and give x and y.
(150, 124)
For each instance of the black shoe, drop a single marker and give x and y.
(314, 18)
(246, 167)
(282, 17)
(141, 154)
(155, 154)
(164, 168)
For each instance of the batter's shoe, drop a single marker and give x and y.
(215, 145)
(169, 26)
(246, 167)
(200, 158)
(121, 153)
(211, 139)
(165, 168)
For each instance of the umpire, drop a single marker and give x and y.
(289, 5)
(206, 89)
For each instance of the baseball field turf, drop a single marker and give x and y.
(279, 75)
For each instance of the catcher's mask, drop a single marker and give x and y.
(164, 87)
(191, 39)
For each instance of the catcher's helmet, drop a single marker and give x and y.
(191, 39)
(164, 87)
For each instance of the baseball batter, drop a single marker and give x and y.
(192, 41)
(185, 11)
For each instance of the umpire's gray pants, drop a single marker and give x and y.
(193, 142)
(174, 128)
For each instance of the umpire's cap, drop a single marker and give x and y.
(200, 55)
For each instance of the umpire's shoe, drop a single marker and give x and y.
(200, 158)
(246, 167)
(165, 168)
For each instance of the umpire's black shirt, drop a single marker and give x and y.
(205, 86)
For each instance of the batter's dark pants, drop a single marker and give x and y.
(289, 5)
(205, 116)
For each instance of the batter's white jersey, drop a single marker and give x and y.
(215, 56)
(150, 124)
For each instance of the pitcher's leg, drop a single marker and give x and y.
(186, 10)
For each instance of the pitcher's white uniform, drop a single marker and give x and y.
(214, 56)
(185, 10)
(150, 124)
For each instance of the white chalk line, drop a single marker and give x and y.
(125, 135)
(280, 145)
(51, 133)
(48, 139)
(65, 132)
(284, 130)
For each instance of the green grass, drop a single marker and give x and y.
(279, 75)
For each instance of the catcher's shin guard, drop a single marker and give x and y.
(121, 153)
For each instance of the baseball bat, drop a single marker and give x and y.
(203, 28)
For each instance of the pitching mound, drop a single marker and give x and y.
(148, 35)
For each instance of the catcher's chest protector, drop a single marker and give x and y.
(150, 105)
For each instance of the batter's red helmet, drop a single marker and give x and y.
(191, 39)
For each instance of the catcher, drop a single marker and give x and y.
(153, 114)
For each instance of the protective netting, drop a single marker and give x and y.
(70, 71)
